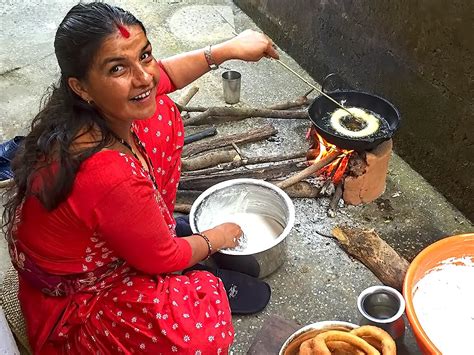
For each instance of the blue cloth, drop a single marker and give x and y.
(183, 229)
(8, 150)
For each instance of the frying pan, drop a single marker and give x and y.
(321, 108)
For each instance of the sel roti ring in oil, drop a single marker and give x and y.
(373, 123)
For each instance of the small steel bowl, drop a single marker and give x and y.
(265, 213)
(383, 307)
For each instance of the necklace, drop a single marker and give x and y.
(142, 150)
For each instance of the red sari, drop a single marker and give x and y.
(96, 273)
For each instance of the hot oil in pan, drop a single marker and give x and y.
(382, 131)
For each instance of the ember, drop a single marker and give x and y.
(320, 148)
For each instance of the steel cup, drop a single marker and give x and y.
(231, 85)
(383, 307)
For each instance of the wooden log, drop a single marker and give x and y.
(182, 208)
(324, 187)
(302, 189)
(310, 170)
(237, 162)
(240, 113)
(184, 99)
(187, 196)
(270, 172)
(367, 247)
(334, 204)
(211, 158)
(195, 108)
(255, 135)
(298, 102)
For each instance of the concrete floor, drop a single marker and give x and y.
(318, 281)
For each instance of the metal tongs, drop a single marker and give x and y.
(358, 120)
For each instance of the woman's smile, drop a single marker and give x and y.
(142, 97)
(145, 97)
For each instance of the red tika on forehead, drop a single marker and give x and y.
(123, 31)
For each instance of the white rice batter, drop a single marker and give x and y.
(259, 231)
(444, 305)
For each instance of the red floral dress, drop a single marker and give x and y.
(96, 273)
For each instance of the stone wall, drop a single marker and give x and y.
(417, 54)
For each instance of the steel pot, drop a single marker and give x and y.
(264, 212)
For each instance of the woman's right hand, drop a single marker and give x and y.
(230, 232)
(250, 46)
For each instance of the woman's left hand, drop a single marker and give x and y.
(252, 46)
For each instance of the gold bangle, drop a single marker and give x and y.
(209, 245)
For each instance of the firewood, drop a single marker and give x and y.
(255, 135)
(184, 99)
(367, 247)
(233, 113)
(298, 102)
(357, 164)
(195, 108)
(208, 159)
(334, 204)
(325, 187)
(237, 162)
(269, 172)
(182, 208)
(302, 189)
(187, 196)
(310, 170)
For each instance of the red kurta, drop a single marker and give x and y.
(114, 237)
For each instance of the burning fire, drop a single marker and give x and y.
(319, 149)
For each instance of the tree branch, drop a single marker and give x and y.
(251, 136)
(236, 113)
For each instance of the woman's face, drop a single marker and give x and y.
(123, 77)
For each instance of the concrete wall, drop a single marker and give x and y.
(418, 54)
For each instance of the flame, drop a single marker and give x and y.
(320, 148)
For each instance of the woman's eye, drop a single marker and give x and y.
(145, 55)
(116, 69)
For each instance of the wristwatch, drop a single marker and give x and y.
(210, 61)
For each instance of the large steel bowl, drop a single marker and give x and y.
(314, 328)
(264, 212)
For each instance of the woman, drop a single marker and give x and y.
(90, 224)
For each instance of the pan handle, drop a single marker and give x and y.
(329, 79)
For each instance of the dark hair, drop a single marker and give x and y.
(64, 115)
